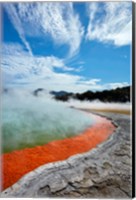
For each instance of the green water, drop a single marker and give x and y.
(36, 122)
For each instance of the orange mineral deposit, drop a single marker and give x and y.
(19, 162)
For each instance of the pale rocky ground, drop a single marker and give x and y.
(104, 172)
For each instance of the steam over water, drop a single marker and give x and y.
(30, 121)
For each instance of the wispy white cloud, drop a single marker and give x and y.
(55, 20)
(17, 64)
(16, 20)
(110, 22)
(60, 22)
(21, 69)
(116, 85)
(92, 82)
(16, 58)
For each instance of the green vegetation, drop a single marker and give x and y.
(114, 95)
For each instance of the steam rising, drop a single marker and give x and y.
(98, 105)
(29, 121)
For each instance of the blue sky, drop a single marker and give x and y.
(66, 46)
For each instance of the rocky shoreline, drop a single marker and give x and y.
(104, 172)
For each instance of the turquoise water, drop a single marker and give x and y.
(30, 121)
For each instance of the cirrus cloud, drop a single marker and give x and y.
(57, 20)
(110, 22)
(18, 68)
(61, 25)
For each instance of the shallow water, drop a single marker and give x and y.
(28, 121)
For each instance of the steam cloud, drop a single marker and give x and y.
(98, 105)
(29, 121)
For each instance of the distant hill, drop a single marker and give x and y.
(62, 95)
(114, 95)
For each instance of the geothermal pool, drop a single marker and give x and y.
(31, 121)
(36, 131)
